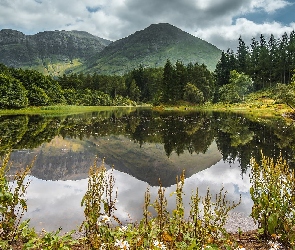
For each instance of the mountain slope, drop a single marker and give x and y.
(50, 52)
(152, 47)
(58, 52)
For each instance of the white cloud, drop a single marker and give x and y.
(211, 20)
(269, 5)
(225, 36)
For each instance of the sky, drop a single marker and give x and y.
(219, 22)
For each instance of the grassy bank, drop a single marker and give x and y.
(258, 104)
(60, 110)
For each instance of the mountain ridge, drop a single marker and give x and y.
(152, 47)
(46, 48)
(58, 52)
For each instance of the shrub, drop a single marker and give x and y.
(273, 194)
(12, 92)
(12, 202)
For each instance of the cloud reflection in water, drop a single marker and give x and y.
(54, 204)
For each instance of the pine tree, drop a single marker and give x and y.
(242, 53)
(168, 82)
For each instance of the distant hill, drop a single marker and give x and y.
(50, 52)
(58, 52)
(152, 47)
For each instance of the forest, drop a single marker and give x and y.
(263, 64)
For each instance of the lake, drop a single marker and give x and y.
(143, 146)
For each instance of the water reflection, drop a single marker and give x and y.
(52, 204)
(143, 145)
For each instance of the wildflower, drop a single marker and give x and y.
(1, 230)
(123, 229)
(274, 245)
(204, 247)
(122, 244)
(105, 219)
(103, 246)
(240, 248)
(159, 244)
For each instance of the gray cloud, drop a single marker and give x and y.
(211, 20)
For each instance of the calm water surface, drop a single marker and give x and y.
(214, 150)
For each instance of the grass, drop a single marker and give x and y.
(59, 110)
(257, 104)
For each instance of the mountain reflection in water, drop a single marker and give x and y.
(52, 204)
(143, 145)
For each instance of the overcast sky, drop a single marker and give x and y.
(219, 22)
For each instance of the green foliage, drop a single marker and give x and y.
(273, 194)
(286, 93)
(13, 232)
(239, 85)
(38, 97)
(12, 202)
(228, 93)
(266, 62)
(12, 92)
(99, 205)
(193, 94)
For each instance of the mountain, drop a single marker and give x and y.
(58, 52)
(152, 47)
(70, 159)
(50, 52)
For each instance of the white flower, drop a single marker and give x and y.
(123, 229)
(105, 219)
(103, 246)
(274, 245)
(206, 247)
(159, 244)
(1, 230)
(122, 244)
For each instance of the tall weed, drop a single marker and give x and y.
(12, 201)
(273, 194)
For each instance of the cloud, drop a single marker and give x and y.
(269, 5)
(218, 21)
(225, 36)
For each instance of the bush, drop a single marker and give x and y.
(12, 92)
(273, 194)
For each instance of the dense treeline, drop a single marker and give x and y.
(192, 82)
(261, 65)
(22, 88)
(266, 62)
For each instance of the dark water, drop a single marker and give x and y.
(214, 149)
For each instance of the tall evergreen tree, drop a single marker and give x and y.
(242, 53)
(282, 55)
(272, 49)
(253, 62)
(291, 55)
(263, 63)
(180, 80)
(222, 71)
(168, 81)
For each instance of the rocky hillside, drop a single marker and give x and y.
(51, 52)
(152, 47)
